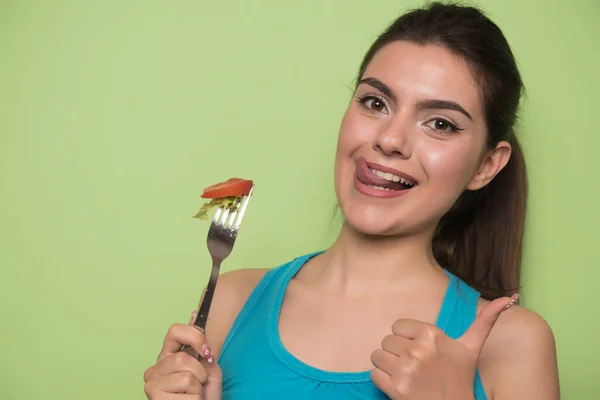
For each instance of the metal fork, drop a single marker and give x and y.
(221, 238)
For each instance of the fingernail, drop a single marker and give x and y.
(194, 315)
(513, 300)
(205, 350)
(211, 359)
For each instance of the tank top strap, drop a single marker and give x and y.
(272, 285)
(459, 307)
(458, 311)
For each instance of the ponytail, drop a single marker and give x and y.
(480, 239)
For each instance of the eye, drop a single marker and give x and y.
(373, 103)
(442, 125)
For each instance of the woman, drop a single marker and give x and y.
(413, 300)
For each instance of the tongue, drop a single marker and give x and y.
(369, 178)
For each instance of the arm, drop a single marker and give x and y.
(232, 291)
(518, 361)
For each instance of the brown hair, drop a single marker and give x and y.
(480, 239)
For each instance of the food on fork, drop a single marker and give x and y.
(224, 194)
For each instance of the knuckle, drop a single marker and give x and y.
(410, 369)
(174, 332)
(403, 387)
(425, 330)
(420, 354)
(149, 388)
(432, 332)
(187, 378)
(180, 359)
(186, 334)
(147, 374)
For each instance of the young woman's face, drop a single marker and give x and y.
(416, 116)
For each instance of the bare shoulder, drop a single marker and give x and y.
(232, 292)
(519, 326)
(518, 360)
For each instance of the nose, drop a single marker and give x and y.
(394, 141)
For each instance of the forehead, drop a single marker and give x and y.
(415, 72)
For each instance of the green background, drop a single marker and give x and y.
(115, 114)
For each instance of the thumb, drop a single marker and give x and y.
(475, 337)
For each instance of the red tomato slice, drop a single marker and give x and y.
(233, 187)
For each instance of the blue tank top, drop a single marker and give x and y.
(256, 365)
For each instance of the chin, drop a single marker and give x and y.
(373, 222)
(400, 216)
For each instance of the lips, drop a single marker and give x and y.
(366, 176)
(392, 171)
(369, 183)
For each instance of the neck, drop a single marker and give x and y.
(357, 262)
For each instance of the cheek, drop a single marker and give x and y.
(355, 130)
(448, 164)
(343, 143)
(354, 134)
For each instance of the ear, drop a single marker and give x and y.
(491, 165)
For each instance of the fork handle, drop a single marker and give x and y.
(189, 350)
(202, 316)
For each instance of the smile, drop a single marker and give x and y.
(376, 180)
(391, 178)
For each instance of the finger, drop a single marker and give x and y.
(413, 329)
(206, 351)
(179, 382)
(193, 319)
(383, 381)
(172, 396)
(213, 387)
(180, 335)
(178, 362)
(384, 360)
(397, 345)
(475, 337)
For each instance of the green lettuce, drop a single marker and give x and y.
(226, 202)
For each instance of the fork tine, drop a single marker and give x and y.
(242, 210)
(217, 215)
(224, 215)
(232, 216)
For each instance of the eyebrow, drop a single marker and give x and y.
(377, 84)
(421, 105)
(442, 105)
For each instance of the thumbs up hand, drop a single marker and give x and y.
(420, 362)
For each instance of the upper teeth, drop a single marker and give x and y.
(391, 177)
